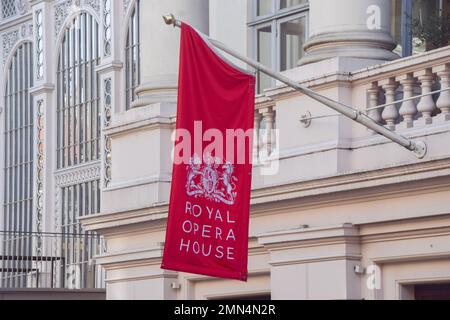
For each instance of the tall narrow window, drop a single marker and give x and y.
(18, 170)
(78, 95)
(280, 31)
(19, 145)
(132, 56)
(78, 144)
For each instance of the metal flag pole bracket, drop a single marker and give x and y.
(418, 147)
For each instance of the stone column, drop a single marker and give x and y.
(160, 46)
(349, 28)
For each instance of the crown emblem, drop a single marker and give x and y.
(211, 179)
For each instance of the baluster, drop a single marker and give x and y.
(426, 105)
(372, 96)
(256, 139)
(269, 117)
(390, 113)
(443, 102)
(408, 108)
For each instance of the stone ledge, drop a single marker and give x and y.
(354, 187)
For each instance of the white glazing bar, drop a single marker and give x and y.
(67, 102)
(73, 89)
(97, 115)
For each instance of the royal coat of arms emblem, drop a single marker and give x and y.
(211, 179)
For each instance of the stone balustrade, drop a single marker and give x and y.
(265, 137)
(403, 94)
(392, 102)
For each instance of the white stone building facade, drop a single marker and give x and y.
(88, 108)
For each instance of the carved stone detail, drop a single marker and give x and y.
(126, 4)
(11, 38)
(23, 6)
(62, 10)
(9, 41)
(78, 175)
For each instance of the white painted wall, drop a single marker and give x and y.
(228, 24)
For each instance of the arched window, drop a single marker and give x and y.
(19, 142)
(132, 56)
(78, 95)
(78, 141)
(18, 161)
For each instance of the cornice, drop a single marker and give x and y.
(352, 188)
(251, 273)
(146, 124)
(110, 222)
(406, 235)
(109, 67)
(360, 180)
(133, 258)
(42, 89)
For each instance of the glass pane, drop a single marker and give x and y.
(264, 36)
(428, 25)
(264, 7)
(132, 57)
(78, 92)
(8, 8)
(292, 38)
(291, 3)
(396, 25)
(19, 146)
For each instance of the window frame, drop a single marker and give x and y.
(77, 99)
(19, 195)
(406, 36)
(274, 19)
(128, 76)
(278, 33)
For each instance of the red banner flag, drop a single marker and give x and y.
(207, 228)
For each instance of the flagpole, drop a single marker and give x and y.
(418, 147)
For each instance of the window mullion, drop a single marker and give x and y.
(406, 28)
(130, 60)
(89, 90)
(96, 115)
(67, 102)
(73, 93)
(79, 85)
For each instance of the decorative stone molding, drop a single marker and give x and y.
(40, 196)
(108, 101)
(23, 6)
(107, 139)
(126, 4)
(76, 175)
(107, 32)
(62, 10)
(39, 44)
(94, 4)
(11, 38)
(40, 166)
